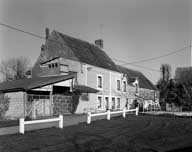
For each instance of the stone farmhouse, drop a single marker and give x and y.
(74, 76)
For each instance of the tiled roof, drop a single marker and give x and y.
(31, 83)
(132, 74)
(60, 45)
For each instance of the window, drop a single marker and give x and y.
(99, 81)
(127, 103)
(124, 86)
(99, 102)
(118, 85)
(137, 87)
(113, 103)
(53, 65)
(107, 103)
(118, 103)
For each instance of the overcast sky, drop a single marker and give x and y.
(132, 30)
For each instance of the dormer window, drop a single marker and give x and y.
(53, 65)
(124, 86)
(137, 87)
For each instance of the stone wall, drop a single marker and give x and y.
(62, 104)
(16, 105)
(146, 93)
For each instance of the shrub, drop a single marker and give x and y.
(4, 104)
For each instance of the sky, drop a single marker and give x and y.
(132, 30)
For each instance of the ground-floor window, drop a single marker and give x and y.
(113, 103)
(118, 103)
(99, 102)
(107, 103)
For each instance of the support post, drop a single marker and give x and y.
(88, 117)
(137, 111)
(60, 121)
(124, 113)
(108, 114)
(21, 126)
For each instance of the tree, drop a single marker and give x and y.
(166, 72)
(183, 77)
(14, 68)
(163, 82)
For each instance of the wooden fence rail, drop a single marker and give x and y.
(108, 113)
(22, 122)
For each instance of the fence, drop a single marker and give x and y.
(109, 113)
(22, 122)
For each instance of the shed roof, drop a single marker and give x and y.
(32, 83)
(85, 89)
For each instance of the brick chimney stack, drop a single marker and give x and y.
(99, 43)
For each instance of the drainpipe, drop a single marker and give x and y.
(51, 100)
(86, 74)
(109, 89)
(24, 103)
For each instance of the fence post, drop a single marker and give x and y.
(137, 111)
(21, 126)
(88, 117)
(124, 112)
(108, 114)
(60, 121)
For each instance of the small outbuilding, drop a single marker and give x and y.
(39, 96)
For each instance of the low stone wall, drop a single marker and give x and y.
(16, 105)
(62, 104)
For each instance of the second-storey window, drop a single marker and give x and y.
(118, 85)
(99, 82)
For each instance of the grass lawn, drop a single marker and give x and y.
(133, 134)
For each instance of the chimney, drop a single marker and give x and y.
(99, 43)
(46, 33)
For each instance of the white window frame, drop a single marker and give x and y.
(125, 86)
(99, 75)
(112, 103)
(104, 102)
(117, 85)
(119, 103)
(99, 103)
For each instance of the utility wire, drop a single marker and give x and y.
(20, 30)
(151, 69)
(158, 57)
(125, 63)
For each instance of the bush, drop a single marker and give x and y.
(4, 104)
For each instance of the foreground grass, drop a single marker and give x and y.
(133, 134)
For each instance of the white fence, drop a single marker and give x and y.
(109, 113)
(22, 122)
